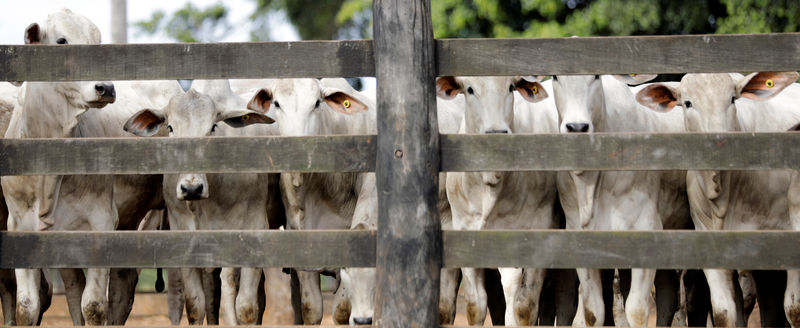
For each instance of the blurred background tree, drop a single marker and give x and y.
(351, 19)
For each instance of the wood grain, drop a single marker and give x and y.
(621, 151)
(174, 155)
(407, 165)
(186, 61)
(620, 55)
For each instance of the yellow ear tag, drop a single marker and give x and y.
(245, 117)
(346, 103)
(535, 89)
(633, 74)
(770, 83)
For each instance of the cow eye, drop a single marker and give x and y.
(316, 104)
(470, 91)
(61, 41)
(169, 127)
(687, 104)
(597, 77)
(555, 78)
(733, 100)
(213, 128)
(277, 105)
(511, 88)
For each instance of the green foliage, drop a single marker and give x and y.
(189, 24)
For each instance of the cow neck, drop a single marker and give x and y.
(47, 112)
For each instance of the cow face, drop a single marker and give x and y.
(709, 100)
(578, 99)
(191, 114)
(359, 285)
(300, 105)
(489, 100)
(65, 27)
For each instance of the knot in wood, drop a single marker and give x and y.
(398, 154)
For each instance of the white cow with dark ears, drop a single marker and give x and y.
(501, 200)
(739, 200)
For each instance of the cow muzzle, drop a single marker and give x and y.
(192, 187)
(105, 94)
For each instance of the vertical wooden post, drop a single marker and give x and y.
(409, 249)
(119, 21)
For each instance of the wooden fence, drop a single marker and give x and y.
(409, 247)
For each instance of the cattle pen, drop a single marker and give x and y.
(409, 248)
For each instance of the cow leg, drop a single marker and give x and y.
(211, 291)
(175, 298)
(748, 286)
(475, 295)
(74, 283)
(495, 301)
(636, 306)
(667, 296)
(791, 299)
(770, 284)
(511, 278)
(448, 293)
(8, 294)
(93, 301)
(45, 295)
(591, 297)
(310, 297)
(294, 285)
(121, 290)
(722, 292)
(193, 294)
(247, 299)
(230, 287)
(341, 304)
(547, 304)
(698, 299)
(566, 295)
(526, 304)
(28, 302)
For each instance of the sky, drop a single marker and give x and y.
(18, 14)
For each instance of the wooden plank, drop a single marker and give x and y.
(623, 249)
(171, 249)
(173, 155)
(407, 165)
(586, 55)
(186, 61)
(335, 248)
(620, 151)
(620, 55)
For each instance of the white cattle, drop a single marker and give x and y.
(501, 200)
(615, 200)
(238, 202)
(304, 107)
(738, 200)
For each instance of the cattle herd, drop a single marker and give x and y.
(578, 200)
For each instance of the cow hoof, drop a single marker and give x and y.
(95, 313)
(246, 315)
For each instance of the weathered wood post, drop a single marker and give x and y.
(409, 249)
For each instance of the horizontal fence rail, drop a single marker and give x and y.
(597, 151)
(584, 55)
(337, 248)
(174, 155)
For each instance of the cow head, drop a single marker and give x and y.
(489, 100)
(65, 27)
(300, 105)
(581, 101)
(193, 114)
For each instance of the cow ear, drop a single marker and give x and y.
(33, 34)
(635, 79)
(242, 118)
(531, 91)
(796, 127)
(447, 87)
(764, 85)
(145, 123)
(343, 103)
(260, 101)
(658, 97)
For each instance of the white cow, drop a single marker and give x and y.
(501, 200)
(615, 200)
(189, 201)
(305, 107)
(738, 200)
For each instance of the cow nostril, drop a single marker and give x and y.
(100, 88)
(105, 90)
(184, 189)
(363, 321)
(199, 189)
(577, 127)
